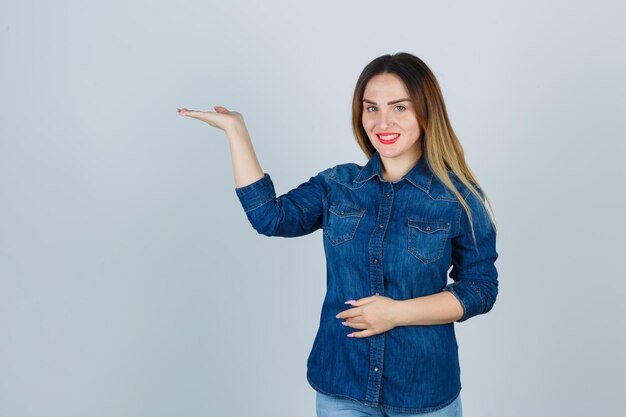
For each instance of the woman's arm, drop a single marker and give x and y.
(295, 213)
(377, 314)
(246, 167)
(475, 276)
(440, 308)
(473, 262)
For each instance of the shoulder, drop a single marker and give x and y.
(343, 174)
(440, 191)
(480, 214)
(347, 171)
(463, 189)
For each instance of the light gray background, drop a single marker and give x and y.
(131, 283)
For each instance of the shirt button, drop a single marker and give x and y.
(388, 194)
(375, 261)
(428, 228)
(375, 369)
(380, 226)
(376, 294)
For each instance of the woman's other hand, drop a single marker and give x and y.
(372, 315)
(222, 118)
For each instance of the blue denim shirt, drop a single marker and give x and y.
(396, 239)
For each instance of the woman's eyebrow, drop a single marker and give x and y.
(391, 102)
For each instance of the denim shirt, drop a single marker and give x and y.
(395, 239)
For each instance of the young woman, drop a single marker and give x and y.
(391, 230)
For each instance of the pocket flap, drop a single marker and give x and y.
(429, 226)
(345, 210)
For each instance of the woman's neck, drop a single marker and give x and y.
(395, 168)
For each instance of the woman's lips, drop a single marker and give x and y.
(388, 138)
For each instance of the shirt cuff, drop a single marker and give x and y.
(256, 194)
(469, 296)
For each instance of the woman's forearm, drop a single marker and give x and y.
(440, 308)
(246, 167)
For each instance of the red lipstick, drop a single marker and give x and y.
(388, 134)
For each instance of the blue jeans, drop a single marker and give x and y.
(331, 406)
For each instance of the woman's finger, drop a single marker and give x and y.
(349, 313)
(355, 325)
(221, 118)
(361, 334)
(203, 115)
(191, 113)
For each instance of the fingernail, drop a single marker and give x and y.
(350, 335)
(337, 316)
(350, 301)
(344, 323)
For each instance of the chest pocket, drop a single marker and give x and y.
(343, 220)
(427, 239)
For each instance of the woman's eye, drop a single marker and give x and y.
(373, 108)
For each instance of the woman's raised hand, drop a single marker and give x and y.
(222, 118)
(246, 167)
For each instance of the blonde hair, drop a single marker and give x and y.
(440, 144)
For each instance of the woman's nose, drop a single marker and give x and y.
(385, 119)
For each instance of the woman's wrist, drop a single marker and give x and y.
(403, 313)
(237, 128)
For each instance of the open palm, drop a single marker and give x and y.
(222, 118)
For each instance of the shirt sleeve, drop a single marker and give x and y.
(295, 213)
(473, 263)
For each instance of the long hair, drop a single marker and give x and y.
(441, 146)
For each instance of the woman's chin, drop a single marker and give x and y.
(387, 152)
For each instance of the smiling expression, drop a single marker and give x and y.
(389, 118)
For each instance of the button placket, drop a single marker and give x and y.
(377, 287)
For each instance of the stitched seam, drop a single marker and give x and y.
(259, 205)
(346, 185)
(442, 241)
(258, 184)
(477, 289)
(458, 219)
(420, 410)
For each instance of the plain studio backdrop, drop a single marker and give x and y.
(132, 284)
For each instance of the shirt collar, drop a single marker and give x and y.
(420, 175)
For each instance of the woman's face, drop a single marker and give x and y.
(390, 119)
